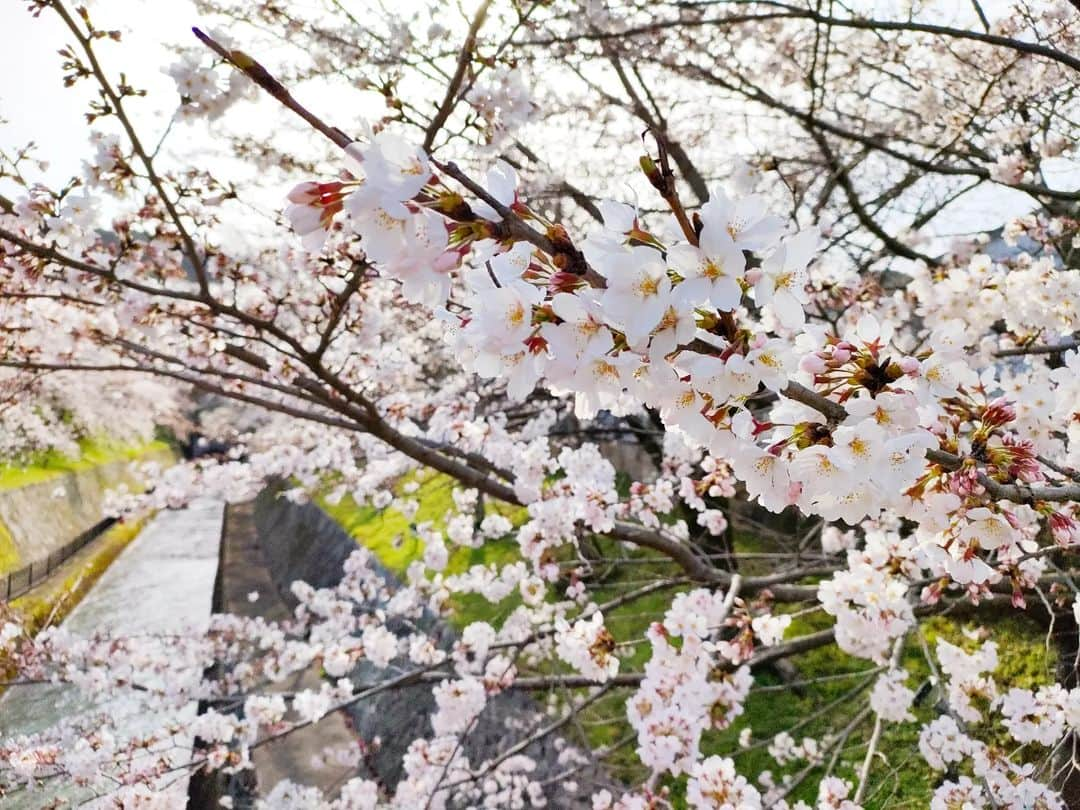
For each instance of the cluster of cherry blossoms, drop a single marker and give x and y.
(204, 95)
(651, 328)
(504, 101)
(54, 413)
(679, 698)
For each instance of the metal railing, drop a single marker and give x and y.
(18, 582)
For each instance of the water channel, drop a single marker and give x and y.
(161, 584)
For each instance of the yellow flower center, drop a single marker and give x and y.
(516, 315)
(603, 369)
(648, 286)
(587, 328)
(670, 319)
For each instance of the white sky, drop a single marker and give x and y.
(36, 106)
(34, 102)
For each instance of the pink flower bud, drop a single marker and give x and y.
(931, 594)
(304, 193)
(998, 412)
(1062, 527)
(563, 281)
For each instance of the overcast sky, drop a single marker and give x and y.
(36, 107)
(33, 101)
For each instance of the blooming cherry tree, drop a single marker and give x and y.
(785, 349)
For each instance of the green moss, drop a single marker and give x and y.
(903, 779)
(899, 776)
(93, 453)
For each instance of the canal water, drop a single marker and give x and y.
(161, 584)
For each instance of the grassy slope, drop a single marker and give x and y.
(9, 555)
(46, 466)
(388, 535)
(899, 777)
(93, 453)
(900, 780)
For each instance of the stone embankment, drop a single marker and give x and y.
(293, 541)
(39, 518)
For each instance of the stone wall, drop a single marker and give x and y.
(42, 517)
(302, 542)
